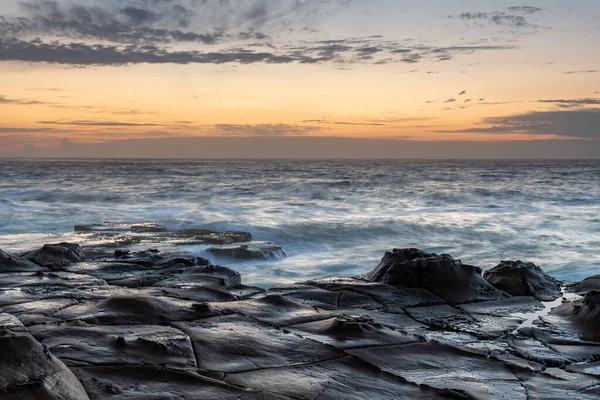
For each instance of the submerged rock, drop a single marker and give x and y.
(444, 276)
(207, 236)
(519, 278)
(255, 251)
(55, 256)
(142, 227)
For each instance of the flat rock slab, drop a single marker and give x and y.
(349, 332)
(392, 299)
(441, 367)
(142, 227)
(504, 307)
(236, 343)
(556, 384)
(77, 343)
(64, 279)
(326, 299)
(338, 379)
(137, 310)
(154, 383)
(275, 310)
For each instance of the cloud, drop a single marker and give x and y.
(6, 100)
(588, 71)
(450, 100)
(324, 121)
(525, 9)
(97, 123)
(572, 102)
(265, 129)
(122, 32)
(582, 124)
(513, 18)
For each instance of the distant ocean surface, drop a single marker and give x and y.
(331, 217)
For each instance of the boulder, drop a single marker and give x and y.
(56, 256)
(255, 251)
(12, 263)
(519, 278)
(442, 275)
(591, 283)
(28, 371)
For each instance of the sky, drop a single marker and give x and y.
(484, 78)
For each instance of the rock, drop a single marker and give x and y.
(207, 236)
(143, 227)
(582, 315)
(55, 256)
(556, 384)
(255, 251)
(154, 382)
(28, 371)
(134, 310)
(204, 276)
(519, 278)
(79, 343)
(442, 275)
(441, 367)
(237, 343)
(343, 378)
(591, 283)
(12, 263)
(351, 332)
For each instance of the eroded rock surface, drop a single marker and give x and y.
(55, 256)
(519, 278)
(130, 324)
(256, 251)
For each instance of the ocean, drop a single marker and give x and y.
(331, 217)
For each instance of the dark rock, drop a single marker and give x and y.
(504, 307)
(519, 278)
(12, 263)
(236, 343)
(133, 310)
(582, 315)
(591, 283)
(556, 384)
(441, 367)
(255, 251)
(444, 276)
(344, 378)
(55, 256)
(156, 382)
(204, 276)
(78, 343)
(144, 227)
(48, 279)
(391, 298)
(207, 236)
(28, 371)
(351, 332)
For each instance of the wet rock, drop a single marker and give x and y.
(44, 307)
(442, 275)
(556, 384)
(254, 251)
(391, 298)
(55, 256)
(77, 343)
(344, 378)
(519, 278)
(207, 236)
(47, 280)
(143, 227)
(13, 263)
(134, 310)
(441, 367)
(578, 318)
(110, 271)
(200, 294)
(535, 350)
(348, 332)
(30, 371)
(325, 299)
(155, 382)
(504, 307)
(236, 343)
(586, 285)
(275, 310)
(204, 276)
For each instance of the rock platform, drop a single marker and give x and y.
(149, 325)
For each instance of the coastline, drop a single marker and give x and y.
(113, 324)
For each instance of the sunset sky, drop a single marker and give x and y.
(431, 70)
